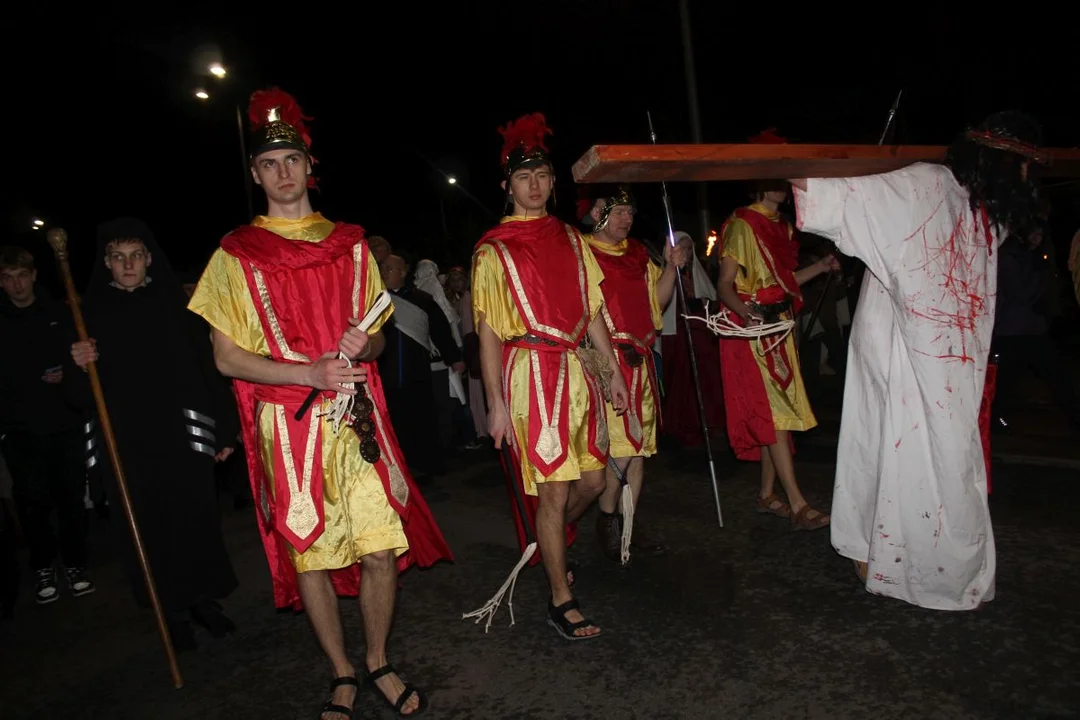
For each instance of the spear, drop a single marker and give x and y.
(58, 240)
(829, 280)
(689, 341)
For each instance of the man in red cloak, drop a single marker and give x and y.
(285, 296)
(764, 393)
(545, 354)
(636, 292)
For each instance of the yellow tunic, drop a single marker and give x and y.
(493, 304)
(620, 446)
(359, 518)
(790, 407)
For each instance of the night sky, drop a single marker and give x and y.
(104, 119)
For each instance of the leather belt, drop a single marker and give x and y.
(771, 312)
(535, 340)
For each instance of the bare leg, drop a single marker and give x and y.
(609, 498)
(583, 492)
(378, 586)
(780, 453)
(321, 605)
(551, 517)
(634, 468)
(768, 473)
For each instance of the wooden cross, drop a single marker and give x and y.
(698, 163)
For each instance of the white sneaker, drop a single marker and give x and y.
(45, 589)
(79, 582)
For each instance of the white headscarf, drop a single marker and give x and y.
(426, 278)
(703, 287)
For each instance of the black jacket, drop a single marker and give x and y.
(32, 340)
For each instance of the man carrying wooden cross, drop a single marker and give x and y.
(910, 503)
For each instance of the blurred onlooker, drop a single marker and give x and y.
(40, 434)
(1021, 330)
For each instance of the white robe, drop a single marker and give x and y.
(910, 495)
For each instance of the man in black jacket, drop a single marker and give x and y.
(41, 434)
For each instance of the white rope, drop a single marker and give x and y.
(492, 606)
(721, 324)
(339, 409)
(627, 522)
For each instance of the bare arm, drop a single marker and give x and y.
(491, 363)
(725, 289)
(665, 286)
(810, 272)
(601, 340)
(491, 370)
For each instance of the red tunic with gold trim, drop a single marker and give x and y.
(633, 319)
(304, 293)
(536, 284)
(763, 391)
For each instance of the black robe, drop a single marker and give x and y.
(405, 369)
(171, 413)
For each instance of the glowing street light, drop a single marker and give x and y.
(451, 179)
(38, 223)
(202, 94)
(217, 70)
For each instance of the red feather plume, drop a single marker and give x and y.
(263, 101)
(527, 132)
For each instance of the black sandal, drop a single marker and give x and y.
(408, 692)
(557, 619)
(331, 707)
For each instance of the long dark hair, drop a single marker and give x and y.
(994, 177)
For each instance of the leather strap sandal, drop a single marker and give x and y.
(408, 692)
(557, 619)
(331, 706)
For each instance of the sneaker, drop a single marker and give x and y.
(79, 582)
(45, 589)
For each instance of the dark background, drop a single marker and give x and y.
(102, 118)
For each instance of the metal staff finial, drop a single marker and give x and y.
(689, 338)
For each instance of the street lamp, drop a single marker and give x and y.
(218, 71)
(451, 179)
(37, 223)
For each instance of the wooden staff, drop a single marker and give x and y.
(58, 240)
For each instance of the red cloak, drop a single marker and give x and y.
(305, 293)
(545, 271)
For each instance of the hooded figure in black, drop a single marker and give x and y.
(173, 417)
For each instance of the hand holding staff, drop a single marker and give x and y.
(58, 240)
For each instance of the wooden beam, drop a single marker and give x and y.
(697, 163)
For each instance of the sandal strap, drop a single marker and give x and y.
(332, 708)
(384, 670)
(571, 604)
(404, 697)
(344, 680)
